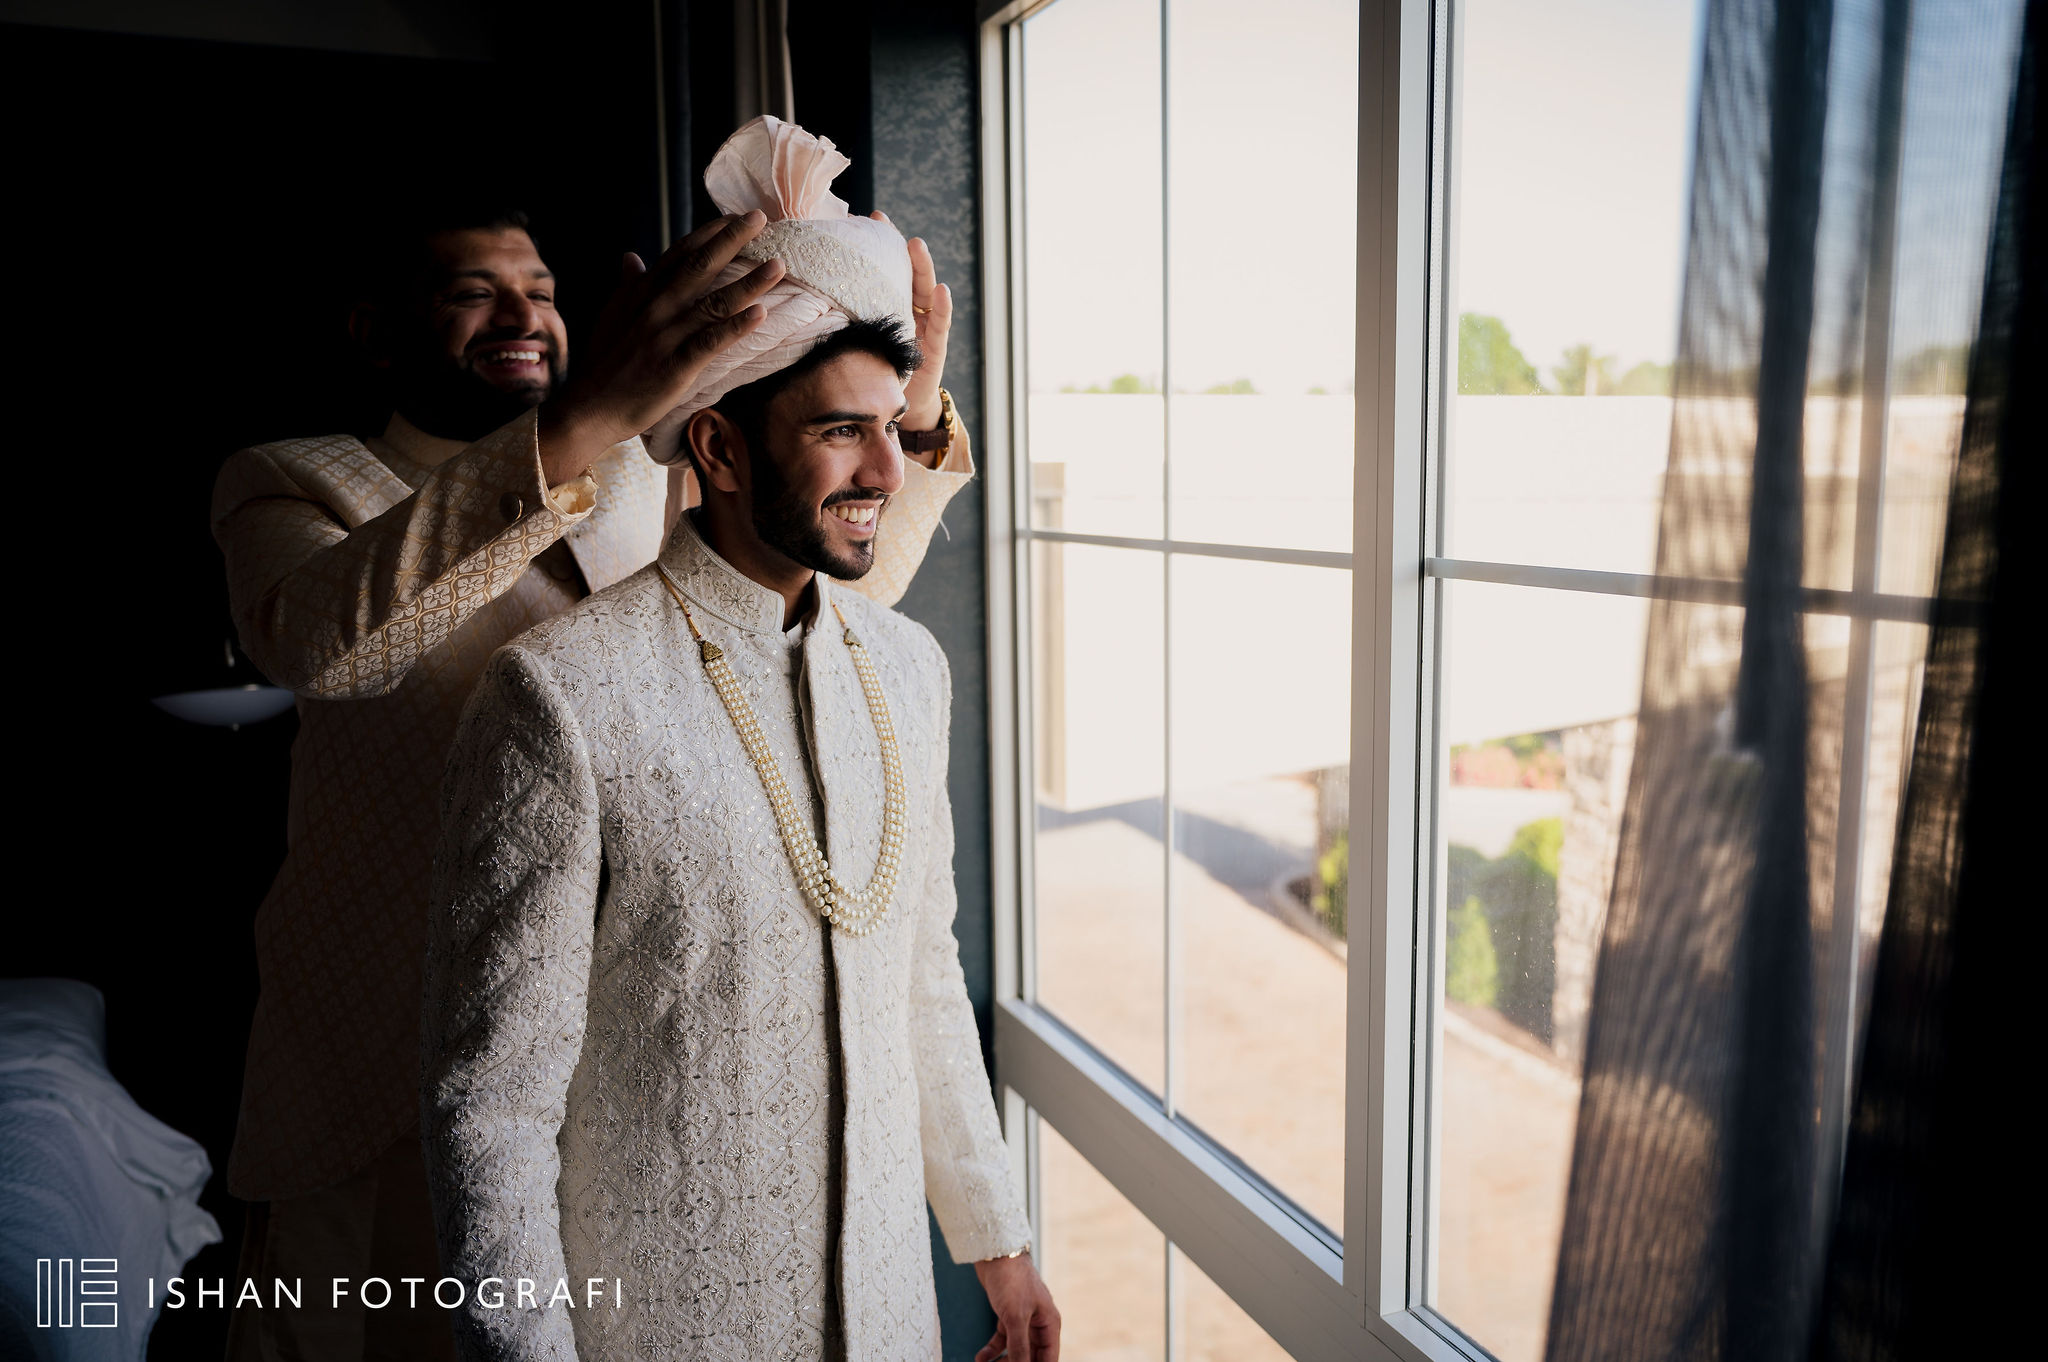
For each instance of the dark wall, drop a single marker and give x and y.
(461, 29)
(834, 51)
(184, 216)
(182, 221)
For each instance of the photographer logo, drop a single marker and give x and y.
(77, 1293)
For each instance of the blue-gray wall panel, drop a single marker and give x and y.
(923, 103)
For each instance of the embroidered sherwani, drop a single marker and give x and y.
(376, 580)
(647, 1058)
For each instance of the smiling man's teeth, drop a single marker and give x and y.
(514, 357)
(854, 515)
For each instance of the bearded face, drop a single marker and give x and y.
(487, 344)
(810, 532)
(831, 463)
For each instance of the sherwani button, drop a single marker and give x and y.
(510, 506)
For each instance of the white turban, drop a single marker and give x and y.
(840, 267)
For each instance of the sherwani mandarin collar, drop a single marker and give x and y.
(844, 755)
(639, 1063)
(376, 578)
(722, 590)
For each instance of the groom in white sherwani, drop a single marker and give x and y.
(695, 1021)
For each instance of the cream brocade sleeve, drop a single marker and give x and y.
(966, 1164)
(335, 611)
(912, 518)
(513, 910)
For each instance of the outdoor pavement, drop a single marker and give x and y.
(1262, 1071)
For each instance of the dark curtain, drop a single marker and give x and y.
(1840, 512)
(1923, 1262)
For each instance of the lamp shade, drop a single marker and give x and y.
(227, 706)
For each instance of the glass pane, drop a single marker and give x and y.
(1099, 739)
(1211, 1326)
(1538, 696)
(1953, 133)
(1572, 142)
(1926, 432)
(1261, 746)
(1104, 1262)
(1900, 657)
(1261, 340)
(1093, 261)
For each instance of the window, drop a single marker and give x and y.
(1175, 205)
(1564, 240)
(1332, 352)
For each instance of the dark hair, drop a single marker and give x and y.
(393, 265)
(747, 406)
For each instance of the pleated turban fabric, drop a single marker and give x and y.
(840, 267)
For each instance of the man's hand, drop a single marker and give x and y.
(651, 343)
(931, 307)
(664, 439)
(1027, 1323)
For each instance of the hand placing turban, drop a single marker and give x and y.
(839, 266)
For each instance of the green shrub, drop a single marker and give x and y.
(1488, 360)
(1333, 885)
(1516, 892)
(1501, 950)
(1471, 969)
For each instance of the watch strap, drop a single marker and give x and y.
(938, 437)
(924, 441)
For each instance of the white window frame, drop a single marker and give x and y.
(1313, 1298)
(1365, 1297)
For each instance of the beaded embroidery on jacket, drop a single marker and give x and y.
(858, 911)
(630, 1065)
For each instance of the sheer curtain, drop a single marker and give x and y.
(760, 61)
(1842, 514)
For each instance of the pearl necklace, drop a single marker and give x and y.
(858, 911)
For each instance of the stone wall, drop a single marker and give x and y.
(1597, 758)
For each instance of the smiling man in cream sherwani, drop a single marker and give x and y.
(695, 1016)
(376, 579)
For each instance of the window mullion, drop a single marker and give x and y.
(1433, 455)
(1845, 945)
(1176, 1311)
(1395, 150)
(1170, 917)
(1009, 499)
